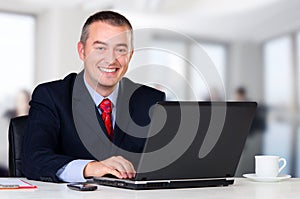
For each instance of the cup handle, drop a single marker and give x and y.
(283, 165)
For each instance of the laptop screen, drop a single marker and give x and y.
(190, 140)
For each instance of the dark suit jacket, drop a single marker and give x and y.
(63, 125)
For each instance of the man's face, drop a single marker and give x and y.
(106, 55)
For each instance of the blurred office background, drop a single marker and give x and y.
(253, 45)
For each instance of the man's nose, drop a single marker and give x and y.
(110, 56)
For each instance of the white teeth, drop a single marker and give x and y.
(108, 70)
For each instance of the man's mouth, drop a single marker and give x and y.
(107, 70)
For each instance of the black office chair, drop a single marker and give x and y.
(15, 137)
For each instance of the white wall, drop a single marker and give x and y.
(58, 31)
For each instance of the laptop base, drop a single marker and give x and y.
(147, 185)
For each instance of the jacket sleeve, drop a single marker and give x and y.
(41, 157)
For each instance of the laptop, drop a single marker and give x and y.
(190, 144)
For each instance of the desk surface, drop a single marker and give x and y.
(242, 188)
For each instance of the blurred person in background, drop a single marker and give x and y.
(21, 105)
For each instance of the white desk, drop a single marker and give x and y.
(242, 189)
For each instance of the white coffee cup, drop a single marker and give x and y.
(268, 165)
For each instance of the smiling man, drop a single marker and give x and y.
(52, 148)
(106, 53)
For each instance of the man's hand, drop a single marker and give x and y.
(115, 165)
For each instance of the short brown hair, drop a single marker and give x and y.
(110, 17)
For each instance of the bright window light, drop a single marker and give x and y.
(17, 56)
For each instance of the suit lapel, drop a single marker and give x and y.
(86, 122)
(87, 118)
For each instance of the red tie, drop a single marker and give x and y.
(105, 106)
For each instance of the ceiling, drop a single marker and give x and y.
(218, 19)
(206, 7)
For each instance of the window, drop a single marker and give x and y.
(278, 72)
(17, 64)
(298, 132)
(279, 97)
(185, 70)
(210, 85)
(298, 63)
(17, 55)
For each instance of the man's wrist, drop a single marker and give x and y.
(73, 171)
(87, 171)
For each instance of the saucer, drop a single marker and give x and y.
(252, 176)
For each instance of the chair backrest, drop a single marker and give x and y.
(15, 137)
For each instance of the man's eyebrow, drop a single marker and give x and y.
(106, 44)
(124, 45)
(100, 42)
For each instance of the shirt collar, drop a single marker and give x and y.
(98, 98)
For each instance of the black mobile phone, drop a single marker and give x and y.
(82, 186)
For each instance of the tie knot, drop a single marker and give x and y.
(105, 106)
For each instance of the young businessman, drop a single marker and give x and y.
(53, 148)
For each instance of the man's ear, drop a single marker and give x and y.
(80, 50)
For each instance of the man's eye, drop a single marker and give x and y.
(122, 51)
(100, 48)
